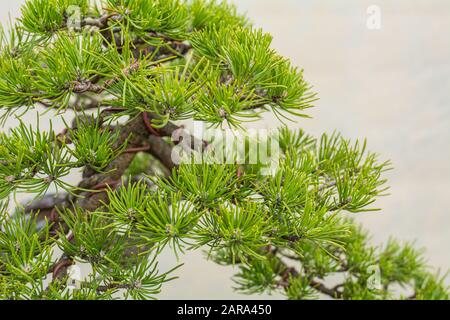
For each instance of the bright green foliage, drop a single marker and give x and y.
(31, 161)
(162, 16)
(255, 76)
(120, 78)
(70, 63)
(94, 144)
(45, 17)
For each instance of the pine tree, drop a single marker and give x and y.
(122, 74)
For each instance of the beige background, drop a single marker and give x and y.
(390, 85)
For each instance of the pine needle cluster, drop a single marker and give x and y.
(122, 74)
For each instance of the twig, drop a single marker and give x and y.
(60, 268)
(148, 125)
(137, 149)
(292, 272)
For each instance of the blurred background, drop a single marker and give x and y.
(390, 85)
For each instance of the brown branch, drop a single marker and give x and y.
(137, 149)
(332, 292)
(136, 135)
(59, 269)
(177, 132)
(101, 22)
(114, 286)
(161, 150)
(148, 124)
(89, 201)
(288, 272)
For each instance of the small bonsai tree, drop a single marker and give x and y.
(121, 74)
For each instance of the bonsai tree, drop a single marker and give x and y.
(121, 75)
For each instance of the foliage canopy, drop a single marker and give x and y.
(127, 72)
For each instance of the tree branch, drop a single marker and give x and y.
(287, 272)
